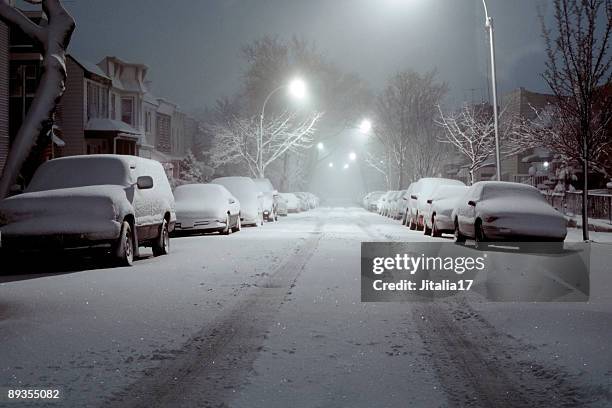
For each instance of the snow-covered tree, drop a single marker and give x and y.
(52, 38)
(471, 132)
(579, 71)
(190, 170)
(405, 125)
(243, 140)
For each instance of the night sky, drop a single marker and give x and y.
(193, 46)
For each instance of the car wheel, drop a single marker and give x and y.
(123, 250)
(161, 246)
(459, 237)
(412, 224)
(426, 229)
(434, 229)
(238, 226)
(479, 235)
(228, 226)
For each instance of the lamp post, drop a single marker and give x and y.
(297, 89)
(489, 26)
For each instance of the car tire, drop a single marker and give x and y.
(411, 224)
(434, 229)
(161, 246)
(459, 237)
(479, 236)
(123, 249)
(426, 229)
(228, 227)
(238, 226)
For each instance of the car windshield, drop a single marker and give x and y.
(511, 190)
(80, 172)
(198, 192)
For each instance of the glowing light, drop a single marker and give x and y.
(365, 126)
(320, 146)
(352, 156)
(297, 88)
(346, 166)
(331, 165)
(546, 164)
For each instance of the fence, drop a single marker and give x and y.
(570, 203)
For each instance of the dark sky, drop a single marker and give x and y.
(193, 46)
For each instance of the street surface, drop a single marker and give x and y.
(271, 317)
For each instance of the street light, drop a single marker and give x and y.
(346, 166)
(331, 165)
(352, 156)
(365, 126)
(489, 25)
(320, 146)
(297, 89)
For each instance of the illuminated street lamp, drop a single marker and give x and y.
(320, 146)
(297, 89)
(331, 165)
(365, 126)
(352, 156)
(346, 166)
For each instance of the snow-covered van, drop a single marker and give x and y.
(121, 202)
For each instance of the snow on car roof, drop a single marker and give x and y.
(264, 184)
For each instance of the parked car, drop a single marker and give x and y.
(439, 208)
(404, 203)
(395, 205)
(251, 200)
(421, 192)
(270, 197)
(304, 202)
(282, 206)
(206, 207)
(120, 202)
(497, 210)
(370, 200)
(293, 202)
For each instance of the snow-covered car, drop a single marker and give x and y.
(421, 192)
(395, 205)
(370, 201)
(497, 210)
(251, 200)
(439, 209)
(206, 207)
(404, 202)
(293, 202)
(270, 197)
(386, 202)
(115, 201)
(282, 208)
(304, 200)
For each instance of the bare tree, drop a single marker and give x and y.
(237, 141)
(471, 131)
(52, 39)
(577, 69)
(405, 124)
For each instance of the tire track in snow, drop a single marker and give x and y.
(479, 366)
(209, 367)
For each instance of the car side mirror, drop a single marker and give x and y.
(413, 197)
(429, 201)
(144, 182)
(231, 200)
(472, 203)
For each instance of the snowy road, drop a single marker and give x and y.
(271, 317)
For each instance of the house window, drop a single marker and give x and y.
(148, 122)
(127, 110)
(97, 101)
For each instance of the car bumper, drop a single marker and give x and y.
(65, 233)
(199, 224)
(523, 233)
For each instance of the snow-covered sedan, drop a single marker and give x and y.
(293, 202)
(206, 207)
(439, 209)
(115, 201)
(497, 210)
(251, 200)
(270, 198)
(421, 192)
